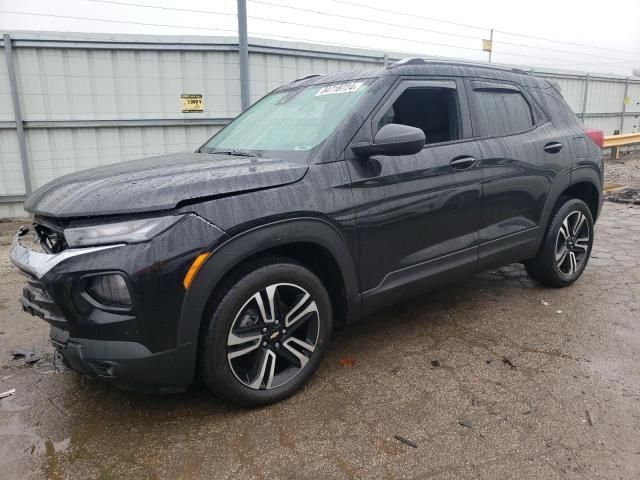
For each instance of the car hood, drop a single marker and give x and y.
(158, 183)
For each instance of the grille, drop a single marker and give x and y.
(36, 301)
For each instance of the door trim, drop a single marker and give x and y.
(409, 281)
(515, 247)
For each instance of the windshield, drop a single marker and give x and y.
(295, 120)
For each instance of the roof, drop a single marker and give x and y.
(415, 66)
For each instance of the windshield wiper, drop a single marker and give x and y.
(236, 153)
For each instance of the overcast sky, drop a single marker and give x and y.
(578, 35)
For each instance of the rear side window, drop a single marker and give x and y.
(500, 111)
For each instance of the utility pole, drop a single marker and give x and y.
(243, 47)
(487, 45)
(491, 45)
(17, 112)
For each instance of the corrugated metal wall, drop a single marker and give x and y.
(90, 100)
(603, 104)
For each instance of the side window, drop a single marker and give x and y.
(499, 111)
(433, 110)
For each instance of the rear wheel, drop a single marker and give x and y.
(566, 247)
(266, 335)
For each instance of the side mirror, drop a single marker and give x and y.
(392, 139)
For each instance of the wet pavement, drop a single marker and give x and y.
(495, 377)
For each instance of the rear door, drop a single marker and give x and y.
(417, 215)
(522, 156)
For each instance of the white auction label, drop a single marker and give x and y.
(339, 88)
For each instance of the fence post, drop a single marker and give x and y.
(624, 105)
(17, 113)
(584, 99)
(243, 47)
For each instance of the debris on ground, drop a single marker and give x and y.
(406, 441)
(7, 393)
(29, 356)
(465, 423)
(558, 311)
(624, 195)
(506, 361)
(32, 359)
(435, 363)
(21, 352)
(545, 303)
(347, 362)
(589, 417)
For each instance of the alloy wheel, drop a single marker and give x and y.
(572, 243)
(273, 336)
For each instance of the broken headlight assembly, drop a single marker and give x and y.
(132, 231)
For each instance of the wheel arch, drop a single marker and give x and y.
(588, 192)
(583, 183)
(297, 239)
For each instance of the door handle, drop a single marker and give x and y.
(553, 147)
(463, 162)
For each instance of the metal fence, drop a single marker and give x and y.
(74, 101)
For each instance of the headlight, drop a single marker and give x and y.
(122, 232)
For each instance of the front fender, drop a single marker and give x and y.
(253, 241)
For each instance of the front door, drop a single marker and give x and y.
(417, 215)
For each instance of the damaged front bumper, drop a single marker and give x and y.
(134, 346)
(129, 365)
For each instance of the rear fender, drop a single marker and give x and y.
(586, 173)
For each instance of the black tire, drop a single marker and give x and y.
(549, 266)
(235, 306)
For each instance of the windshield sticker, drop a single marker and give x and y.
(339, 88)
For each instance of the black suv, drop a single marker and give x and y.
(331, 197)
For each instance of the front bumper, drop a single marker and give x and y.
(138, 347)
(128, 365)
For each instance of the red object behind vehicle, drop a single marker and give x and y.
(596, 135)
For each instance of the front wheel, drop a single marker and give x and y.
(566, 247)
(266, 335)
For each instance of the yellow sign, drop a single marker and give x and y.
(626, 100)
(192, 103)
(487, 45)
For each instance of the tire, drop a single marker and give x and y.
(251, 358)
(564, 252)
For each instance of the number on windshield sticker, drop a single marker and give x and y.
(339, 88)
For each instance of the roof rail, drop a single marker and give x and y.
(425, 61)
(309, 76)
(407, 61)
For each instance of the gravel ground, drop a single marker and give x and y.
(493, 377)
(625, 171)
